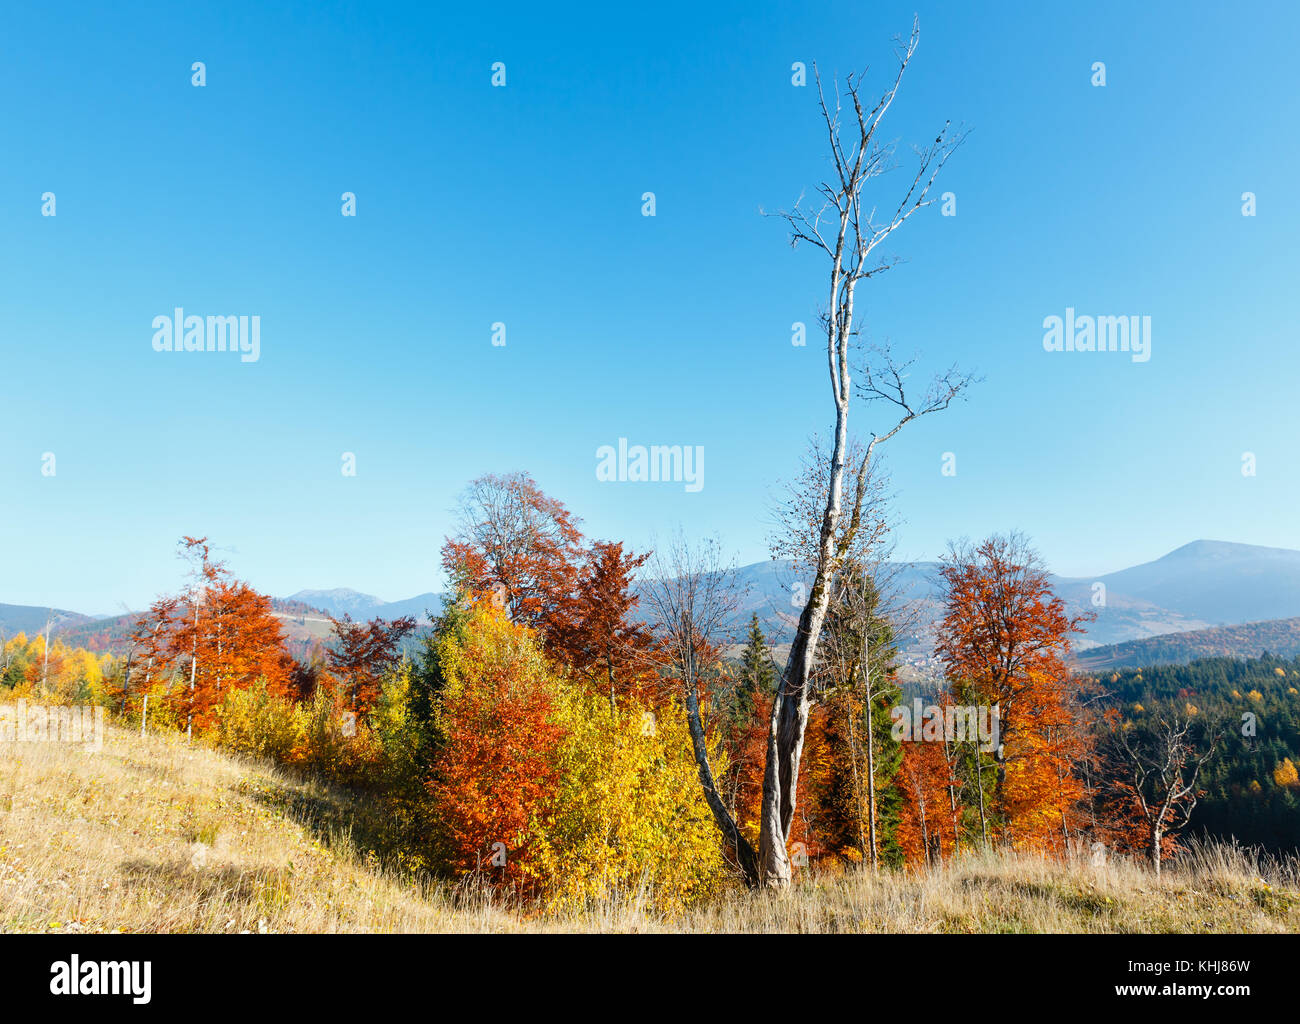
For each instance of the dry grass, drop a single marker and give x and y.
(153, 834)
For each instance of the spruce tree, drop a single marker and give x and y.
(757, 677)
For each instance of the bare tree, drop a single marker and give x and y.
(693, 596)
(850, 233)
(1162, 777)
(801, 509)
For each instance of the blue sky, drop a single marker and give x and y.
(522, 205)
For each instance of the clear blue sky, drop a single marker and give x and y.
(523, 205)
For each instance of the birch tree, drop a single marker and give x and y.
(848, 228)
(693, 596)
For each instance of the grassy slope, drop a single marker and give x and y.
(154, 835)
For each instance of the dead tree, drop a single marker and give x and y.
(1162, 777)
(850, 233)
(693, 596)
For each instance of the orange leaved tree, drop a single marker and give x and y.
(519, 548)
(496, 772)
(1004, 637)
(218, 635)
(362, 653)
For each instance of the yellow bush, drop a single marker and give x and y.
(256, 722)
(324, 743)
(629, 813)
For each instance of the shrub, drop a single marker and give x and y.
(256, 722)
(628, 815)
(325, 745)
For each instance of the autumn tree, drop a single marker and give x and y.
(1285, 774)
(928, 826)
(362, 652)
(849, 228)
(497, 769)
(599, 637)
(1003, 639)
(151, 651)
(519, 548)
(217, 635)
(628, 814)
(307, 673)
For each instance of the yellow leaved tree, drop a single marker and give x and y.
(628, 817)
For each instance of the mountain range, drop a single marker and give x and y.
(1197, 587)
(342, 601)
(1193, 592)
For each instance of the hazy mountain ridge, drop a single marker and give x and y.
(1278, 637)
(30, 619)
(1196, 588)
(345, 601)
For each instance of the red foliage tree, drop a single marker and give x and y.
(517, 548)
(598, 638)
(927, 829)
(498, 766)
(520, 551)
(219, 635)
(362, 653)
(1004, 638)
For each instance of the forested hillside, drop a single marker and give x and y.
(1250, 787)
(1279, 637)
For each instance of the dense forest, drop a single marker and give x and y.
(1246, 640)
(1250, 787)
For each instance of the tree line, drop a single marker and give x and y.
(551, 737)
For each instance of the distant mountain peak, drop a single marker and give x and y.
(338, 594)
(346, 601)
(340, 601)
(1227, 549)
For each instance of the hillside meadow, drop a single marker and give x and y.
(157, 834)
